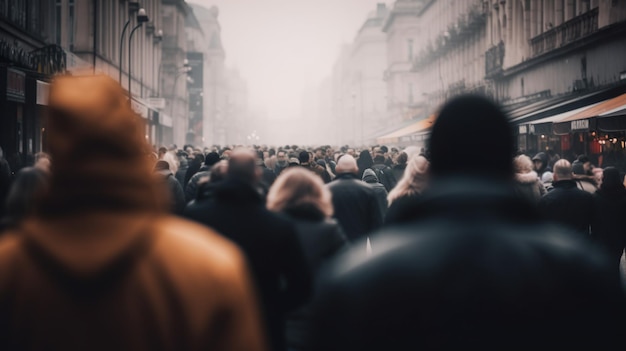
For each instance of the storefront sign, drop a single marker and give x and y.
(157, 102)
(43, 91)
(139, 108)
(16, 85)
(582, 124)
(522, 129)
(165, 120)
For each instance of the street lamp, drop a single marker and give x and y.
(141, 18)
(132, 8)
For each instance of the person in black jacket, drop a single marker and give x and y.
(301, 195)
(381, 193)
(607, 226)
(354, 201)
(567, 204)
(383, 172)
(269, 241)
(176, 194)
(477, 269)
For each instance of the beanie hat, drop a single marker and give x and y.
(483, 129)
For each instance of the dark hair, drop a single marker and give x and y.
(403, 158)
(583, 158)
(303, 157)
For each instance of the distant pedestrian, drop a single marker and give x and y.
(301, 195)
(354, 201)
(566, 204)
(270, 241)
(381, 193)
(405, 197)
(527, 182)
(174, 190)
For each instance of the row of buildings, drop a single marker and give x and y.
(545, 61)
(168, 54)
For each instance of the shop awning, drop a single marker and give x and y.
(599, 109)
(414, 128)
(544, 125)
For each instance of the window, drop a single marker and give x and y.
(57, 20)
(410, 49)
(70, 25)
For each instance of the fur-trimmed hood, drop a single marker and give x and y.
(526, 178)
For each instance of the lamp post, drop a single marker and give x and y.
(132, 8)
(141, 18)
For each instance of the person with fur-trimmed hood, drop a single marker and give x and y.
(527, 183)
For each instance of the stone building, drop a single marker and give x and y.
(31, 52)
(359, 90)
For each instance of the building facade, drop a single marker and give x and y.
(359, 89)
(29, 57)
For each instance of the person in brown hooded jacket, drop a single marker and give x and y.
(100, 265)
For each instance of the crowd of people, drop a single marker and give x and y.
(111, 244)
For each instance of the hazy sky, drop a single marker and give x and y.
(283, 46)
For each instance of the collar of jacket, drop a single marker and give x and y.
(346, 176)
(564, 184)
(232, 190)
(472, 197)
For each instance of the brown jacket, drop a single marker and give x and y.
(124, 281)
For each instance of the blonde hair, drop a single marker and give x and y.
(297, 186)
(413, 180)
(522, 164)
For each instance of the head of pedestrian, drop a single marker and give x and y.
(242, 166)
(460, 118)
(562, 170)
(91, 120)
(347, 165)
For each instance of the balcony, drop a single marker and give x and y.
(49, 60)
(570, 31)
(494, 59)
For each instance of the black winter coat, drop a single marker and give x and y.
(477, 270)
(355, 204)
(271, 245)
(177, 197)
(568, 206)
(321, 240)
(191, 188)
(398, 171)
(608, 227)
(403, 209)
(381, 193)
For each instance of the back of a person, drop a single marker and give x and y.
(609, 204)
(132, 283)
(270, 245)
(476, 268)
(356, 207)
(568, 205)
(467, 285)
(102, 267)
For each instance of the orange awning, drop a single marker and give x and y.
(416, 127)
(599, 109)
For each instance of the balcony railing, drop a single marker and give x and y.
(494, 59)
(50, 59)
(570, 31)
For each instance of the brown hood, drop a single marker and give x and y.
(99, 151)
(85, 246)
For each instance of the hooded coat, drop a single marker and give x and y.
(543, 157)
(529, 186)
(381, 193)
(103, 267)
